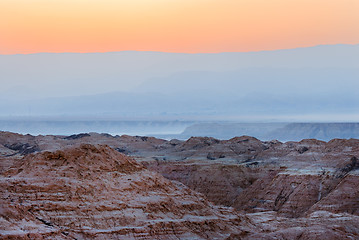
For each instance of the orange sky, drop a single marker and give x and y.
(30, 26)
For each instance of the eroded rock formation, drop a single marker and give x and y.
(292, 190)
(94, 192)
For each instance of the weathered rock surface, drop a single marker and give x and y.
(94, 192)
(292, 190)
(318, 225)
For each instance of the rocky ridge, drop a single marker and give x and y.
(307, 187)
(94, 192)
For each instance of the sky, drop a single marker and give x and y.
(189, 26)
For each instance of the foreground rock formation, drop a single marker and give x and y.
(94, 192)
(292, 190)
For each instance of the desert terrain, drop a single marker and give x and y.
(99, 186)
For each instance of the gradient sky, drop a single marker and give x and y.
(31, 26)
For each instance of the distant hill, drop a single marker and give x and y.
(321, 131)
(315, 80)
(271, 131)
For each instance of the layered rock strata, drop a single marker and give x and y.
(308, 187)
(94, 192)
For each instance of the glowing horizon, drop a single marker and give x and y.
(201, 26)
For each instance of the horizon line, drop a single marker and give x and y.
(189, 53)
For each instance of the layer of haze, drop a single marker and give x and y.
(191, 26)
(317, 83)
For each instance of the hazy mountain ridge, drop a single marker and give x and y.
(174, 129)
(321, 131)
(319, 80)
(200, 93)
(270, 131)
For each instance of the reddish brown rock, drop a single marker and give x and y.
(291, 190)
(95, 192)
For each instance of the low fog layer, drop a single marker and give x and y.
(184, 130)
(319, 80)
(113, 127)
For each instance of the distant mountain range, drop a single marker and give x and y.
(272, 131)
(184, 130)
(304, 81)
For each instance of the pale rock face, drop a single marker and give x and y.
(94, 192)
(290, 178)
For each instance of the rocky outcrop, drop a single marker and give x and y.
(77, 136)
(94, 192)
(291, 190)
(317, 225)
(292, 178)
